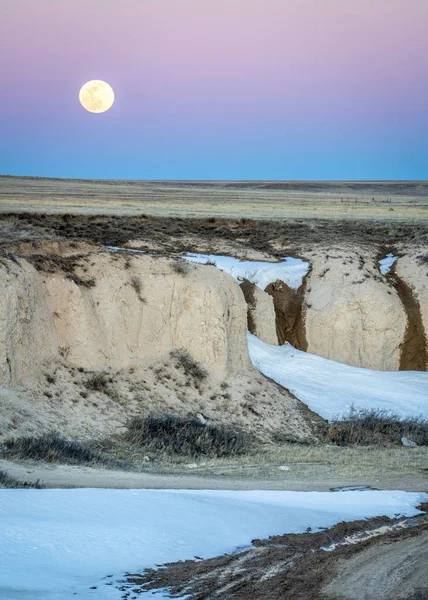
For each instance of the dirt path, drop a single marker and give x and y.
(66, 476)
(387, 570)
(376, 558)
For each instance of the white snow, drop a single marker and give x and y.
(57, 544)
(120, 249)
(331, 389)
(291, 270)
(386, 263)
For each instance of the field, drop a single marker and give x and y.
(380, 201)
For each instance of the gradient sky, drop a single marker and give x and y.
(216, 89)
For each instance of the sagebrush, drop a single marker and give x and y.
(172, 434)
(381, 427)
(52, 448)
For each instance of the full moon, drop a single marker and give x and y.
(96, 96)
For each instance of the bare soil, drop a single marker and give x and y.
(414, 350)
(297, 566)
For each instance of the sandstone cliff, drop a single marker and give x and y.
(87, 340)
(353, 314)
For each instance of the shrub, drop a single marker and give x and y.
(187, 436)
(98, 382)
(50, 447)
(6, 481)
(365, 427)
(136, 284)
(191, 368)
(180, 266)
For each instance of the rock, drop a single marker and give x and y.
(201, 419)
(110, 325)
(408, 443)
(261, 313)
(354, 315)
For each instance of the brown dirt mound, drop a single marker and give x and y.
(290, 319)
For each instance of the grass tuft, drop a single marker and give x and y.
(191, 368)
(6, 481)
(52, 448)
(381, 427)
(180, 266)
(172, 434)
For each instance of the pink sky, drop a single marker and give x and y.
(211, 77)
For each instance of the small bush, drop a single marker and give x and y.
(191, 368)
(136, 284)
(187, 436)
(88, 283)
(50, 447)
(98, 382)
(6, 481)
(366, 427)
(180, 266)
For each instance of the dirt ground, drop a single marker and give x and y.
(379, 558)
(298, 467)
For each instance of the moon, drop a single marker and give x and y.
(96, 96)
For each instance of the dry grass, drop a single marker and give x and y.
(50, 447)
(368, 427)
(311, 463)
(192, 369)
(170, 434)
(6, 481)
(180, 266)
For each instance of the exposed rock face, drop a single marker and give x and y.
(138, 308)
(412, 270)
(354, 315)
(290, 318)
(261, 313)
(27, 332)
(86, 341)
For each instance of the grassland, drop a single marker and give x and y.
(392, 201)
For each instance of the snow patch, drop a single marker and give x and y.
(386, 263)
(120, 249)
(58, 544)
(331, 389)
(290, 270)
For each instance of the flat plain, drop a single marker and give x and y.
(272, 200)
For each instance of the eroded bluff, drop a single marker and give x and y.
(68, 312)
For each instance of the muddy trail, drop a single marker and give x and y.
(309, 565)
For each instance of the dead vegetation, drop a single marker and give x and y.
(50, 447)
(6, 481)
(175, 235)
(171, 434)
(68, 265)
(180, 266)
(377, 427)
(192, 369)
